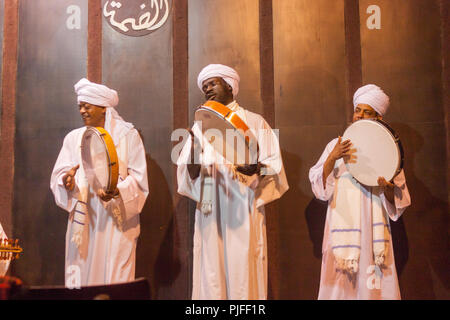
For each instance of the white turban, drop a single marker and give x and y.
(103, 96)
(219, 70)
(373, 96)
(96, 94)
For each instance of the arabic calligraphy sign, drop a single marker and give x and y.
(136, 17)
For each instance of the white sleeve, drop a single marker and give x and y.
(134, 188)
(188, 187)
(66, 160)
(402, 198)
(320, 191)
(273, 182)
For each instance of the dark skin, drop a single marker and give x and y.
(93, 116)
(217, 89)
(343, 150)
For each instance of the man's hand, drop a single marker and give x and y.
(382, 182)
(249, 169)
(340, 150)
(69, 178)
(343, 150)
(106, 196)
(388, 188)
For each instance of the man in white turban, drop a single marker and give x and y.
(103, 228)
(230, 246)
(357, 252)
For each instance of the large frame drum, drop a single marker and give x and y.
(100, 161)
(227, 133)
(378, 149)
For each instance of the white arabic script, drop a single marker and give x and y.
(145, 21)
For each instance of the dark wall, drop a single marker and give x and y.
(406, 58)
(310, 93)
(140, 69)
(1, 49)
(52, 59)
(310, 107)
(229, 36)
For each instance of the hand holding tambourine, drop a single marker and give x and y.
(107, 196)
(343, 150)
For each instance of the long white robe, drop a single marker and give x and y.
(109, 255)
(230, 246)
(370, 282)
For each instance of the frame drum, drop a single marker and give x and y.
(99, 158)
(378, 149)
(227, 133)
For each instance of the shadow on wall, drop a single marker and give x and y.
(299, 270)
(420, 237)
(42, 234)
(155, 257)
(315, 215)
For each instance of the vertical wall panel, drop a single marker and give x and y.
(352, 51)
(310, 96)
(140, 69)
(445, 41)
(8, 112)
(404, 57)
(268, 102)
(51, 59)
(184, 220)
(225, 32)
(1, 52)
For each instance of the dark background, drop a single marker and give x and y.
(299, 61)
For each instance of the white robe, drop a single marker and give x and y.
(230, 246)
(109, 255)
(370, 282)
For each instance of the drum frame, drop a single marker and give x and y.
(233, 121)
(396, 140)
(228, 115)
(111, 153)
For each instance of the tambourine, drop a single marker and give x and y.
(227, 133)
(100, 161)
(379, 151)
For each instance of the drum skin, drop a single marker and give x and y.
(104, 164)
(379, 151)
(214, 115)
